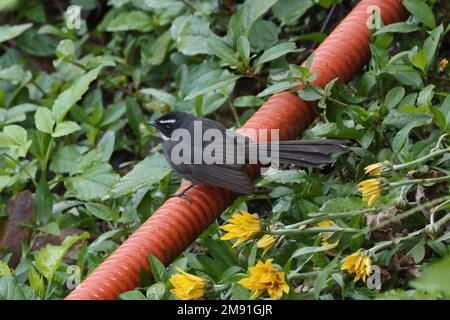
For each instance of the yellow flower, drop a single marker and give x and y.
(264, 277)
(266, 242)
(242, 226)
(324, 236)
(379, 168)
(443, 64)
(359, 264)
(187, 286)
(371, 190)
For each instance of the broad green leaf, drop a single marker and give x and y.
(4, 269)
(435, 278)
(43, 120)
(308, 250)
(445, 109)
(94, 182)
(8, 32)
(394, 97)
(36, 282)
(289, 11)
(135, 116)
(243, 47)
(132, 295)
(248, 101)
(10, 289)
(132, 20)
(157, 268)
(65, 159)
(421, 11)
(43, 201)
(49, 258)
(243, 19)
(223, 51)
(399, 27)
(64, 128)
(101, 211)
(323, 275)
(276, 52)
(15, 138)
(426, 96)
(224, 81)
(278, 87)
(65, 49)
(70, 96)
(163, 96)
(147, 172)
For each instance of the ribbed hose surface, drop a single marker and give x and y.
(176, 224)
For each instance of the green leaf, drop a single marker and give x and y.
(43, 119)
(323, 275)
(10, 289)
(418, 251)
(435, 278)
(65, 49)
(224, 81)
(278, 87)
(135, 115)
(15, 138)
(289, 11)
(49, 258)
(132, 295)
(36, 281)
(132, 20)
(157, 268)
(223, 51)
(243, 47)
(275, 52)
(243, 19)
(65, 159)
(8, 32)
(221, 252)
(426, 96)
(159, 49)
(163, 96)
(101, 211)
(147, 172)
(43, 201)
(445, 110)
(70, 96)
(94, 182)
(394, 97)
(64, 128)
(399, 27)
(308, 250)
(4, 269)
(248, 101)
(421, 11)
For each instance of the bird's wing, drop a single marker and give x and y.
(228, 176)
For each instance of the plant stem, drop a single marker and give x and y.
(421, 159)
(419, 181)
(386, 244)
(314, 230)
(327, 215)
(409, 212)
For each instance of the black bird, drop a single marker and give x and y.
(231, 175)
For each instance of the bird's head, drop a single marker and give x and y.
(169, 122)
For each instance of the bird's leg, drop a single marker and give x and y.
(182, 193)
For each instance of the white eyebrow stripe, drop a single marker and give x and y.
(168, 121)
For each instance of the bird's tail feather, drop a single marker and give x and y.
(309, 153)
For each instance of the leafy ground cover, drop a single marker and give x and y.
(80, 169)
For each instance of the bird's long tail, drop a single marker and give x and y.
(308, 153)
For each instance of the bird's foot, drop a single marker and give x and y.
(183, 195)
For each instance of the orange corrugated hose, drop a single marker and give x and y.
(176, 224)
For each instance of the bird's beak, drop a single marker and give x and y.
(152, 123)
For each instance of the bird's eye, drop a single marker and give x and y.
(167, 127)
